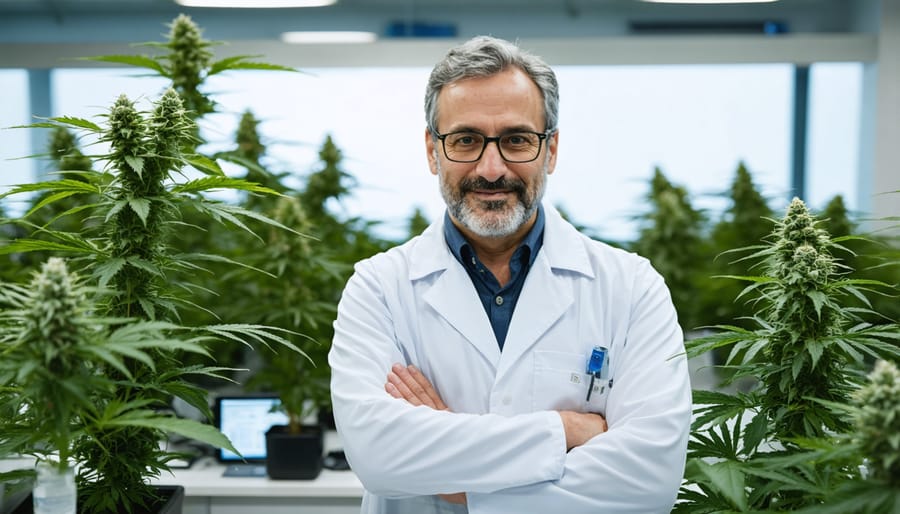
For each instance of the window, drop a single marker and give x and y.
(14, 143)
(696, 122)
(832, 154)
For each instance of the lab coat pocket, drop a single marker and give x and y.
(560, 383)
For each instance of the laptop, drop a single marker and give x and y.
(245, 419)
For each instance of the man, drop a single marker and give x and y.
(476, 367)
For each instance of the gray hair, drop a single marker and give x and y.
(483, 56)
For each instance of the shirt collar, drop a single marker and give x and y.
(533, 240)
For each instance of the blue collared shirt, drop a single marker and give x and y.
(499, 302)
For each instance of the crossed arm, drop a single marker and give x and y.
(408, 383)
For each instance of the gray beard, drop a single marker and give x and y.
(495, 219)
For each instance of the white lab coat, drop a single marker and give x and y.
(503, 443)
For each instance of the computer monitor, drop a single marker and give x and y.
(245, 420)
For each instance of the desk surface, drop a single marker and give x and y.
(204, 478)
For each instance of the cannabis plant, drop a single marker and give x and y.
(54, 383)
(807, 350)
(873, 255)
(417, 223)
(671, 237)
(877, 422)
(310, 278)
(866, 460)
(186, 59)
(139, 202)
(743, 224)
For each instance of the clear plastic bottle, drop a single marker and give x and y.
(54, 490)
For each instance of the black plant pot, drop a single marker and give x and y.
(171, 499)
(326, 418)
(294, 456)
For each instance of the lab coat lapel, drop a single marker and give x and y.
(452, 294)
(546, 294)
(543, 301)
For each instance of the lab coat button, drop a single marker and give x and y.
(507, 400)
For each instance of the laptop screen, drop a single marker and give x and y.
(245, 421)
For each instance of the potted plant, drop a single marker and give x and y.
(305, 279)
(294, 451)
(306, 291)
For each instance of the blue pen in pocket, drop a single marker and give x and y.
(595, 367)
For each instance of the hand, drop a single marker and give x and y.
(458, 498)
(408, 383)
(580, 427)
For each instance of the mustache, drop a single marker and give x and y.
(469, 185)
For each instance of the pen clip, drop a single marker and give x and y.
(595, 367)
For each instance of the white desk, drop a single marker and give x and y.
(208, 492)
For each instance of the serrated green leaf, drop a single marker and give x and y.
(110, 358)
(819, 298)
(747, 278)
(107, 270)
(816, 349)
(234, 158)
(797, 365)
(728, 479)
(184, 427)
(221, 182)
(48, 200)
(140, 61)
(223, 259)
(754, 433)
(141, 207)
(148, 307)
(52, 185)
(129, 350)
(37, 245)
(136, 163)
(240, 62)
(144, 264)
(115, 209)
(78, 122)
(205, 165)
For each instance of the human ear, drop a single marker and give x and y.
(429, 150)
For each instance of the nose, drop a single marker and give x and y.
(491, 166)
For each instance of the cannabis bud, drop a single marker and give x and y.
(170, 124)
(127, 135)
(64, 150)
(798, 229)
(52, 309)
(878, 421)
(188, 59)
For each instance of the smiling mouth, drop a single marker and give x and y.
(492, 193)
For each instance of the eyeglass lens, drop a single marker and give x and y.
(514, 147)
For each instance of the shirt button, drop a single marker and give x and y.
(498, 300)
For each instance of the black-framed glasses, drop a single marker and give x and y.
(468, 146)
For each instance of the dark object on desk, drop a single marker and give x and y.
(336, 460)
(294, 456)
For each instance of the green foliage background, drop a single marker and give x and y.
(805, 331)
